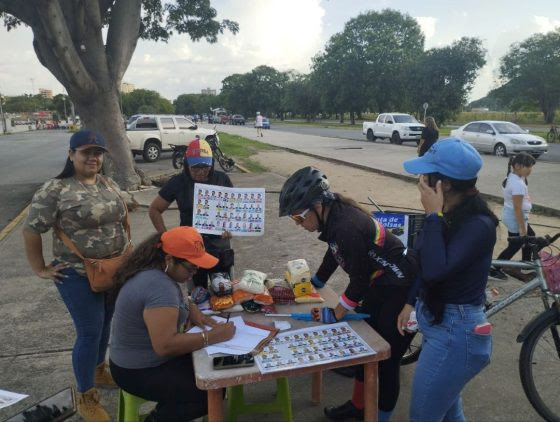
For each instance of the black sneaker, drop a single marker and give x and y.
(497, 273)
(346, 411)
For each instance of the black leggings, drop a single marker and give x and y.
(171, 385)
(515, 245)
(384, 304)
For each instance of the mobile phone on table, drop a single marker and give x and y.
(234, 361)
(58, 407)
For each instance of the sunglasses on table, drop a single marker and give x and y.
(300, 218)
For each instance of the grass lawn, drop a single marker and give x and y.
(241, 149)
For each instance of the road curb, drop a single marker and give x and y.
(12, 224)
(537, 209)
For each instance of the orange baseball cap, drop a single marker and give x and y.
(186, 243)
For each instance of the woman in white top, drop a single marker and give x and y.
(517, 206)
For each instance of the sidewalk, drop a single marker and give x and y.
(37, 333)
(388, 159)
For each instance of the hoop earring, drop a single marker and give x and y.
(166, 268)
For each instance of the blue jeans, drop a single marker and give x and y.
(452, 354)
(92, 319)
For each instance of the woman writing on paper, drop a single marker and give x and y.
(198, 168)
(150, 351)
(379, 268)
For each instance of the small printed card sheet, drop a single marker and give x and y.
(312, 346)
(240, 211)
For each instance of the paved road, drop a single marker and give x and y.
(553, 154)
(28, 159)
(389, 158)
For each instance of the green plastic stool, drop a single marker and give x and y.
(129, 407)
(282, 404)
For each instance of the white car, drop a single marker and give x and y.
(500, 138)
(398, 127)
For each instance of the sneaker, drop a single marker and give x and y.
(89, 407)
(518, 274)
(346, 411)
(497, 273)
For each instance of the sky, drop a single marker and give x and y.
(286, 34)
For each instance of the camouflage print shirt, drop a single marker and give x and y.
(91, 216)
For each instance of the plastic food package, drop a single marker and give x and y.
(280, 291)
(264, 298)
(220, 303)
(221, 284)
(240, 296)
(199, 295)
(252, 281)
(313, 297)
(299, 277)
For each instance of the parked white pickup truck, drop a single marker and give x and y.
(397, 127)
(149, 135)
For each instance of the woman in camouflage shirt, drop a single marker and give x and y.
(91, 213)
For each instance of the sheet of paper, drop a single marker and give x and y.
(240, 211)
(7, 398)
(246, 338)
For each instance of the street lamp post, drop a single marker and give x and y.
(64, 101)
(4, 128)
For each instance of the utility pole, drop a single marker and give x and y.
(4, 127)
(64, 101)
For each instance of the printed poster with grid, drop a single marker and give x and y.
(311, 346)
(240, 211)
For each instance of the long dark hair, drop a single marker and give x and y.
(522, 159)
(349, 201)
(147, 255)
(68, 170)
(470, 205)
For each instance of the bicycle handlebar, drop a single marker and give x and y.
(540, 242)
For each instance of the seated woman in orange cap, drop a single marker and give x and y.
(150, 351)
(198, 168)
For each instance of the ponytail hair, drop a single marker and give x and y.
(349, 201)
(67, 171)
(523, 159)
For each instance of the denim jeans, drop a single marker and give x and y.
(452, 354)
(92, 319)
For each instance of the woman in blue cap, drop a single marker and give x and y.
(90, 211)
(455, 251)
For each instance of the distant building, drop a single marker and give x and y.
(46, 93)
(127, 88)
(480, 109)
(208, 91)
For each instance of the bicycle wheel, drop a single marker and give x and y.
(226, 163)
(413, 352)
(551, 135)
(539, 368)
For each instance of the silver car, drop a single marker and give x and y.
(500, 138)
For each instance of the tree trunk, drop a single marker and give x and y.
(102, 113)
(342, 117)
(352, 118)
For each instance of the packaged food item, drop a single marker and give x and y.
(219, 303)
(313, 297)
(264, 298)
(240, 296)
(299, 277)
(199, 295)
(252, 281)
(221, 284)
(412, 324)
(280, 291)
(251, 306)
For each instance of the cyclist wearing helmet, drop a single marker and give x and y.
(198, 168)
(377, 263)
(455, 250)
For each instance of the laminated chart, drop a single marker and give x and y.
(311, 346)
(240, 211)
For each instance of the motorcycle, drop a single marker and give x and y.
(178, 155)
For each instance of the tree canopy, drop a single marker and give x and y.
(530, 72)
(146, 101)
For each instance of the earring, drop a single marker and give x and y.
(166, 268)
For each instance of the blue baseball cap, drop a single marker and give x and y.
(451, 157)
(86, 138)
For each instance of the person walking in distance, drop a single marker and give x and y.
(259, 124)
(515, 214)
(430, 135)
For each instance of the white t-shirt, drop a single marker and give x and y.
(259, 121)
(515, 185)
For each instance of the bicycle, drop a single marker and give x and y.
(553, 134)
(540, 335)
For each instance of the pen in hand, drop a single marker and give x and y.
(227, 320)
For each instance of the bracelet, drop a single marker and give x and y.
(205, 338)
